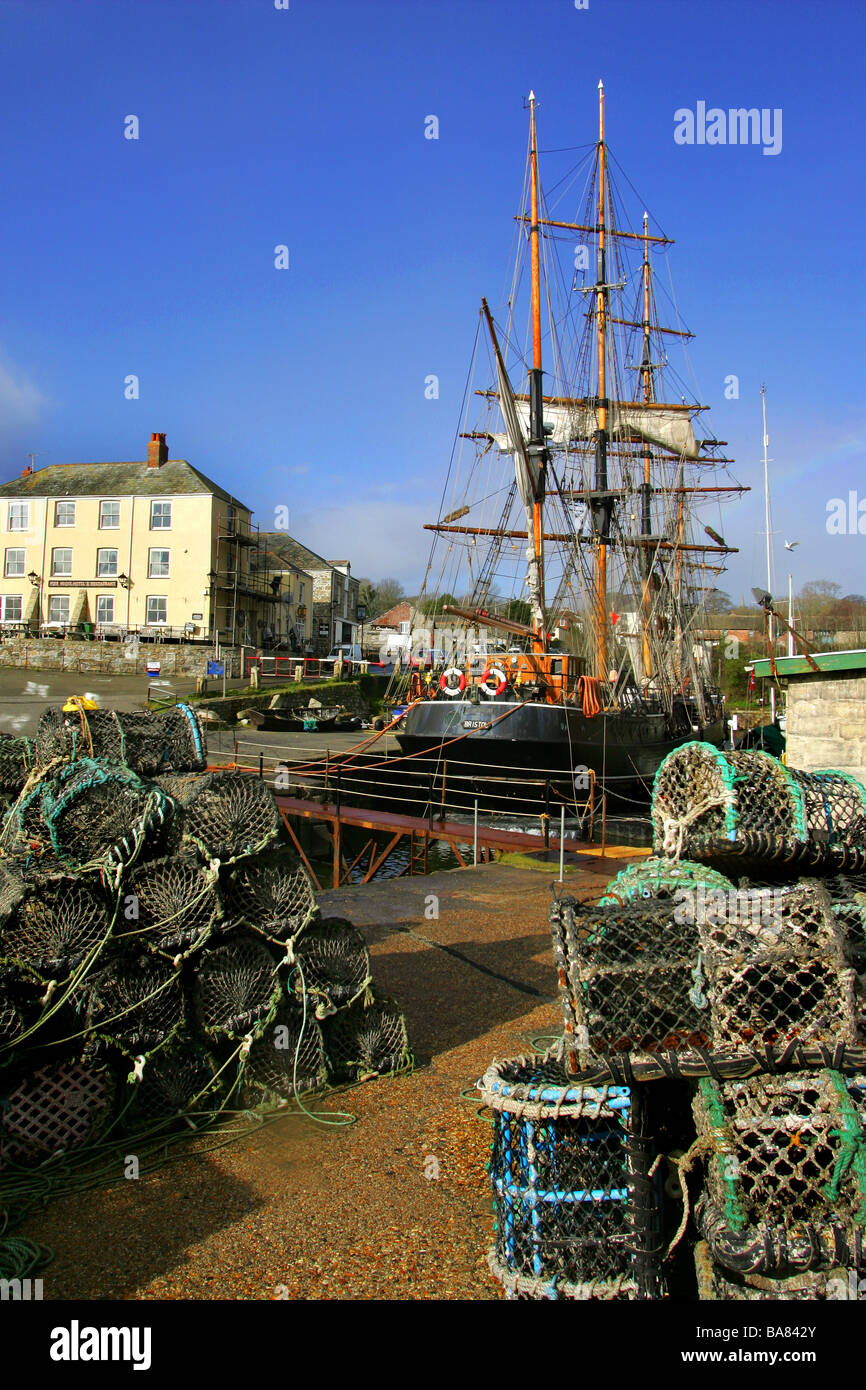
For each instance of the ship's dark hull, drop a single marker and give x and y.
(623, 747)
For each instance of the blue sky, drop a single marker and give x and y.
(305, 127)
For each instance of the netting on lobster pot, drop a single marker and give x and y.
(287, 1059)
(847, 893)
(657, 877)
(142, 740)
(630, 978)
(785, 1179)
(11, 1019)
(89, 813)
(334, 964)
(134, 1001)
(704, 800)
(273, 894)
(55, 922)
(182, 1076)
(776, 967)
(16, 762)
(577, 1214)
(237, 987)
(170, 905)
(367, 1039)
(60, 1107)
(716, 1284)
(227, 815)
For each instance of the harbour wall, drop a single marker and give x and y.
(826, 723)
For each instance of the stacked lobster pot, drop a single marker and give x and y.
(161, 951)
(736, 1003)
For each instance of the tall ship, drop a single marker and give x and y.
(571, 563)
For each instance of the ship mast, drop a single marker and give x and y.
(536, 445)
(646, 491)
(601, 506)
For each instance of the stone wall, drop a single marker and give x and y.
(111, 658)
(346, 693)
(826, 723)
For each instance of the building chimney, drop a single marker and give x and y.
(25, 472)
(157, 451)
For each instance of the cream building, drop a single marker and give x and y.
(152, 547)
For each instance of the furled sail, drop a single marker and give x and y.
(670, 427)
(527, 472)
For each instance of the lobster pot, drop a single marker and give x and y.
(661, 878)
(716, 1284)
(287, 1060)
(332, 964)
(59, 1107)
(848, 903)
(55, 922)
(90, 813)
(720, 806)
(180, 1077)
(11, 1019)
(141, 740)
(367, 1040)
(785, 1182)
(629, 979)
(170, 905)
(225, 816)
(135, 1001)
(16, 763)
(236, 987)
(577, 1215)
(272, 894)
(776, 967)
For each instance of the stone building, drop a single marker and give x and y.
(335, 591)
(826, 710)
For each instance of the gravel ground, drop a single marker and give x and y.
(394, 1206)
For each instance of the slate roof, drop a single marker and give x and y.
(300, 555)
(176, 478)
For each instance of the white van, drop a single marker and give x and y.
(346, 651)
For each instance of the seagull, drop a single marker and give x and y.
(789, 545)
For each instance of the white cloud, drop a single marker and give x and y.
(21, 402)
(376, 537)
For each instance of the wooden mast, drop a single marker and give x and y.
(601, 503)
(536, 407)
(646, 503)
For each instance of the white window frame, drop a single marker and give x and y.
(109, 525)
(6, 602)
(156, 622)
(101, 601)
(62, 525)
(10, 573)
(160, 502)
(24, 509)
(55, 572)
(55, 601)
(153, 573)
(101, 572)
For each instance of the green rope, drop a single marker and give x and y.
(19, 1259)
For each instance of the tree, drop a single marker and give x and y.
(432, 607)
(367, 594)
(717, 601)
(389, 592)
(518, 610)
(818, 596)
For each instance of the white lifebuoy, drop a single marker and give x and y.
(501, 678)
(445, 685)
